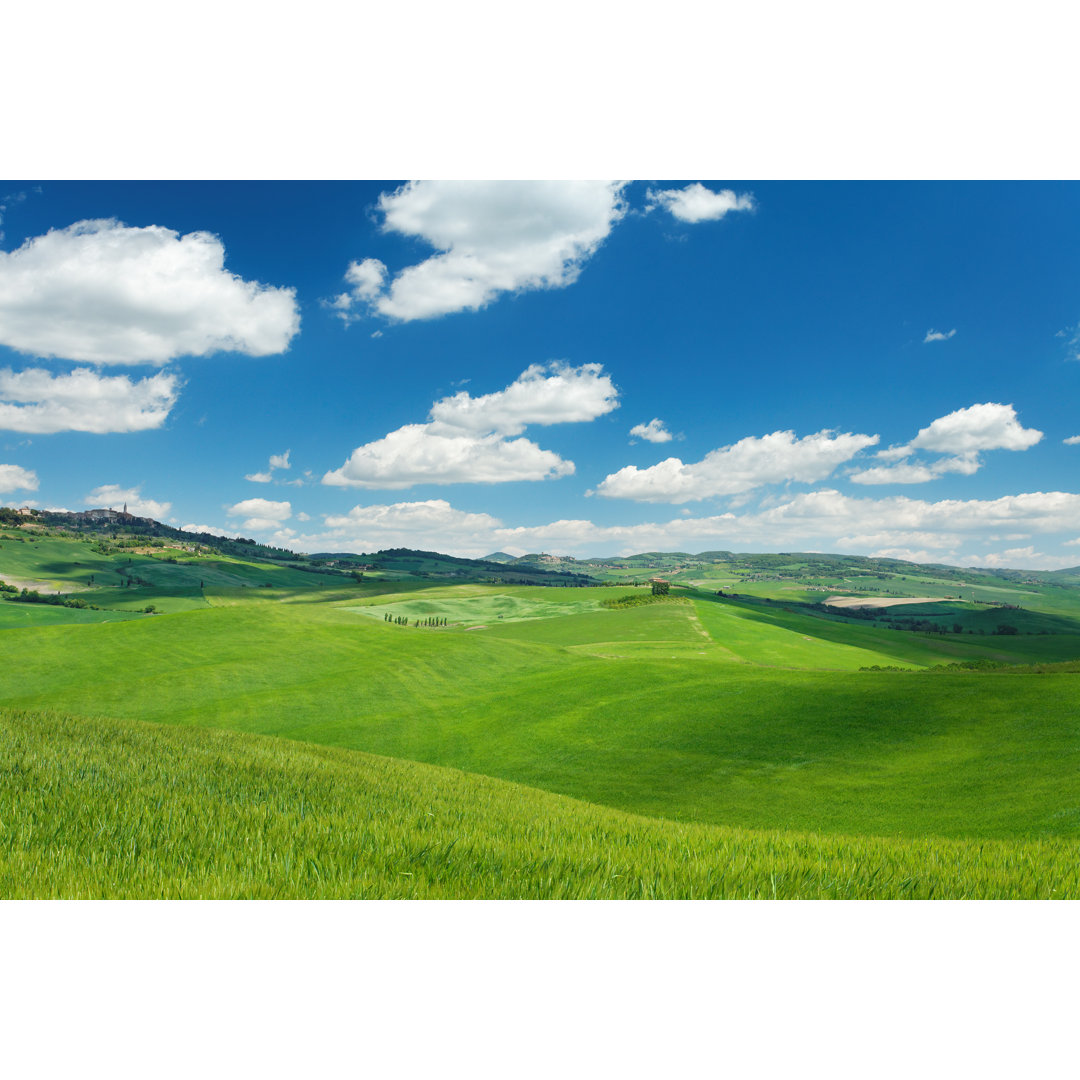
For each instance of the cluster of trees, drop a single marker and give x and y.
(960, 665)
(32, 596)
(403, 620)
(853, 612)
(925, 626)
(619, 602)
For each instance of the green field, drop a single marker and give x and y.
(479, 605)
(21, 616)
(100, 809)
(701, 713)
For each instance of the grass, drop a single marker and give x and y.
(691, 737)
(23, 616)
(488, 607)
(172, 579)
(775, 635)
(706, 712)
(105, 809)
(657, 624)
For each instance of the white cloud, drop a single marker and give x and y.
(978, 427)
(260, 514)
(654, 431)
(894, 453)
(1072, 440)
(828, 513)
(896, 527)
(1025, 558)
(937, 335)
(259, 524)
(542, 394)
(415, 454)
(572, 535)
(432, 524)
(1071, 334)
(492, 237)
(277, 461)
(213, 530)
(34, 504)
(963, 434)
(112, 496)
(467, 439)
(16, 478)
(896, 537)
(747, 464)
(367, 280)
(104, 292)
(282, 538)
(911, 555)
(908, 472)
(400, 524)
(821, 521)
(435, 524)
(38, 402)
(695, 202)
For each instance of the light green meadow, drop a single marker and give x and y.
(697, 712)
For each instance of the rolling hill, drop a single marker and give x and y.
(741, 704)
(109, 809)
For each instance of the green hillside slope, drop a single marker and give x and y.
(96, 809)
(665, 727)
(743, 712)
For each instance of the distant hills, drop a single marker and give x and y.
(411, 563)
(532, 568)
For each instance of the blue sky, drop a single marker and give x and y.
(585, 368)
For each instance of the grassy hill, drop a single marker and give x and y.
(407, 563)
(642, 709)
(787, 572)
(102, 809)
(757, 709)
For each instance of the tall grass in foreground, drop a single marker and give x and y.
(95, 808)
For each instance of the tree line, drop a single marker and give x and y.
(403, 620)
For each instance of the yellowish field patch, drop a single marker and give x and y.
(883, 601)
(27, 583)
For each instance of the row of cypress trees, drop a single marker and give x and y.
(403, 620)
